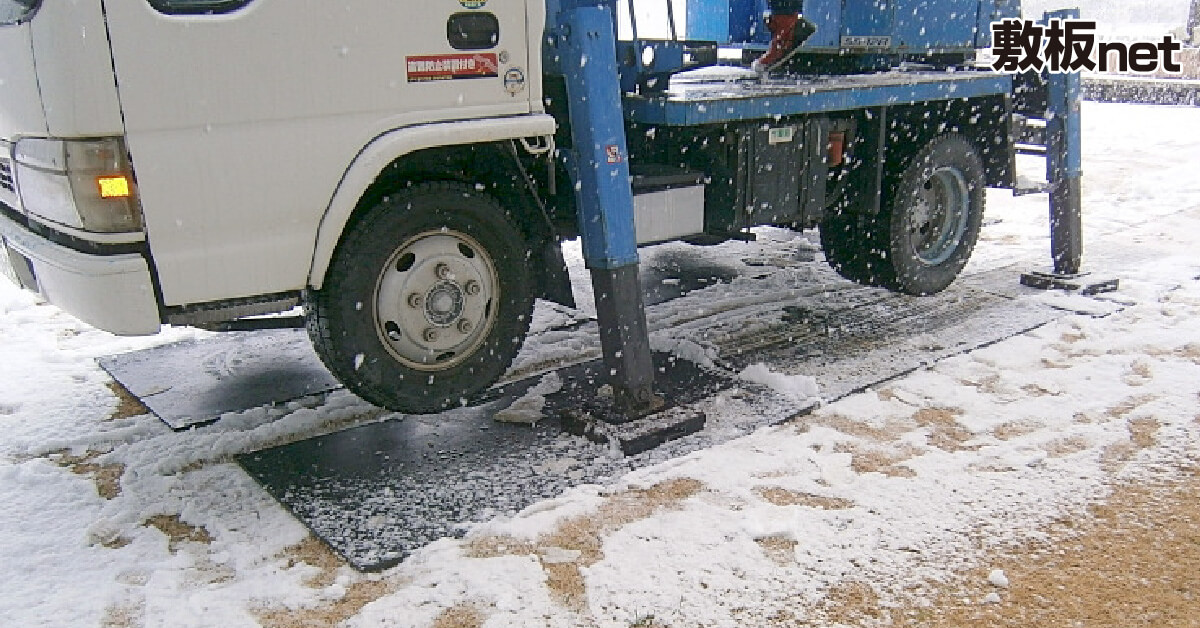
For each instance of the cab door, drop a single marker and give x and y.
(241, 116)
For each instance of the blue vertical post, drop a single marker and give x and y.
(586, 41)
(1064, 163)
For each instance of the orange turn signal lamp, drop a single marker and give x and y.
(114, 186)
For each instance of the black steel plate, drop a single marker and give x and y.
(194, 382)
(377, 492)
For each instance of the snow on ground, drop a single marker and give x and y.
(121, 522)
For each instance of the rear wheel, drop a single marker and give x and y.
(849, 241)
(426, 301)
(926, 229)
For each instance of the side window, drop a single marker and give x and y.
(473, 31)
(198, 7)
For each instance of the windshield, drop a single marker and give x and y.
(13, 11)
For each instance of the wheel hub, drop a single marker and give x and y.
(938, 216)
(434, 300)
(444, 304)
(922, 214)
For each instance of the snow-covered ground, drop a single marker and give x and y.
(121, 522)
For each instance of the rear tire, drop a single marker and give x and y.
(426, 301)
(927, 226)
(850, 242)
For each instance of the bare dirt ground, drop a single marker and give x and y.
(1134, 562)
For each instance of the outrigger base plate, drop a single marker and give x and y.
(1083, 283)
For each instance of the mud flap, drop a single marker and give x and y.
(555, 280)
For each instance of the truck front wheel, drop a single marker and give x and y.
(426, 301)
(927, 227)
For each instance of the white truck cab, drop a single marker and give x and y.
(191, 161)
(407, 172)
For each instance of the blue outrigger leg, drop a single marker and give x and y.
(1064, 163)
(1064, 174)
(599, 163)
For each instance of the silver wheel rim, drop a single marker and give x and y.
(938, 218)
(435, 300)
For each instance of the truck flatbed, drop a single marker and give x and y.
(719, 95)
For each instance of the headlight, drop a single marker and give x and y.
(86, 184)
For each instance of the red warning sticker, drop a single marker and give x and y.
(458, 66)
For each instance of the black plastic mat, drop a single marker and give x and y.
(196, 381)
(377, 492)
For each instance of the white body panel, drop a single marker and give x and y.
(252, 134)
(21, 112)
(384, 149)
(241, 126)
(668, 214)
(112, 292)
(74, 70)
(56, 79)
(20, 101)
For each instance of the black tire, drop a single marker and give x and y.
(929, 221)
(850, 241)
(426, 301)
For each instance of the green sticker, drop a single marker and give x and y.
(781, 135)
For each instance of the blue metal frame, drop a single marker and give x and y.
(1001, 9)
(828, 17)
(1063, 119)
(867, 18)
(1063, 112)
(667, 58)
(727, 21)
(943, 25)
(585, 38)
(738, 103)
(584, 50)
(600, 159)
(1064, 162)
(914, 26)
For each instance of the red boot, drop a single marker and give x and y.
(783, 35)
(788, 32)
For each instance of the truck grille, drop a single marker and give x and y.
(8, 192)
(6, 175)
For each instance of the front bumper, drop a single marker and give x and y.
(112, 292)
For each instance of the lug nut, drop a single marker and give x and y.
(442, 271)
(473, 288)
(430, 335)
(465, 326)
(415, 300)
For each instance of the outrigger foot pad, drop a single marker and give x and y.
(1077, 282)
(639, 436)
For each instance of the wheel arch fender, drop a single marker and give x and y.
(386, 149)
